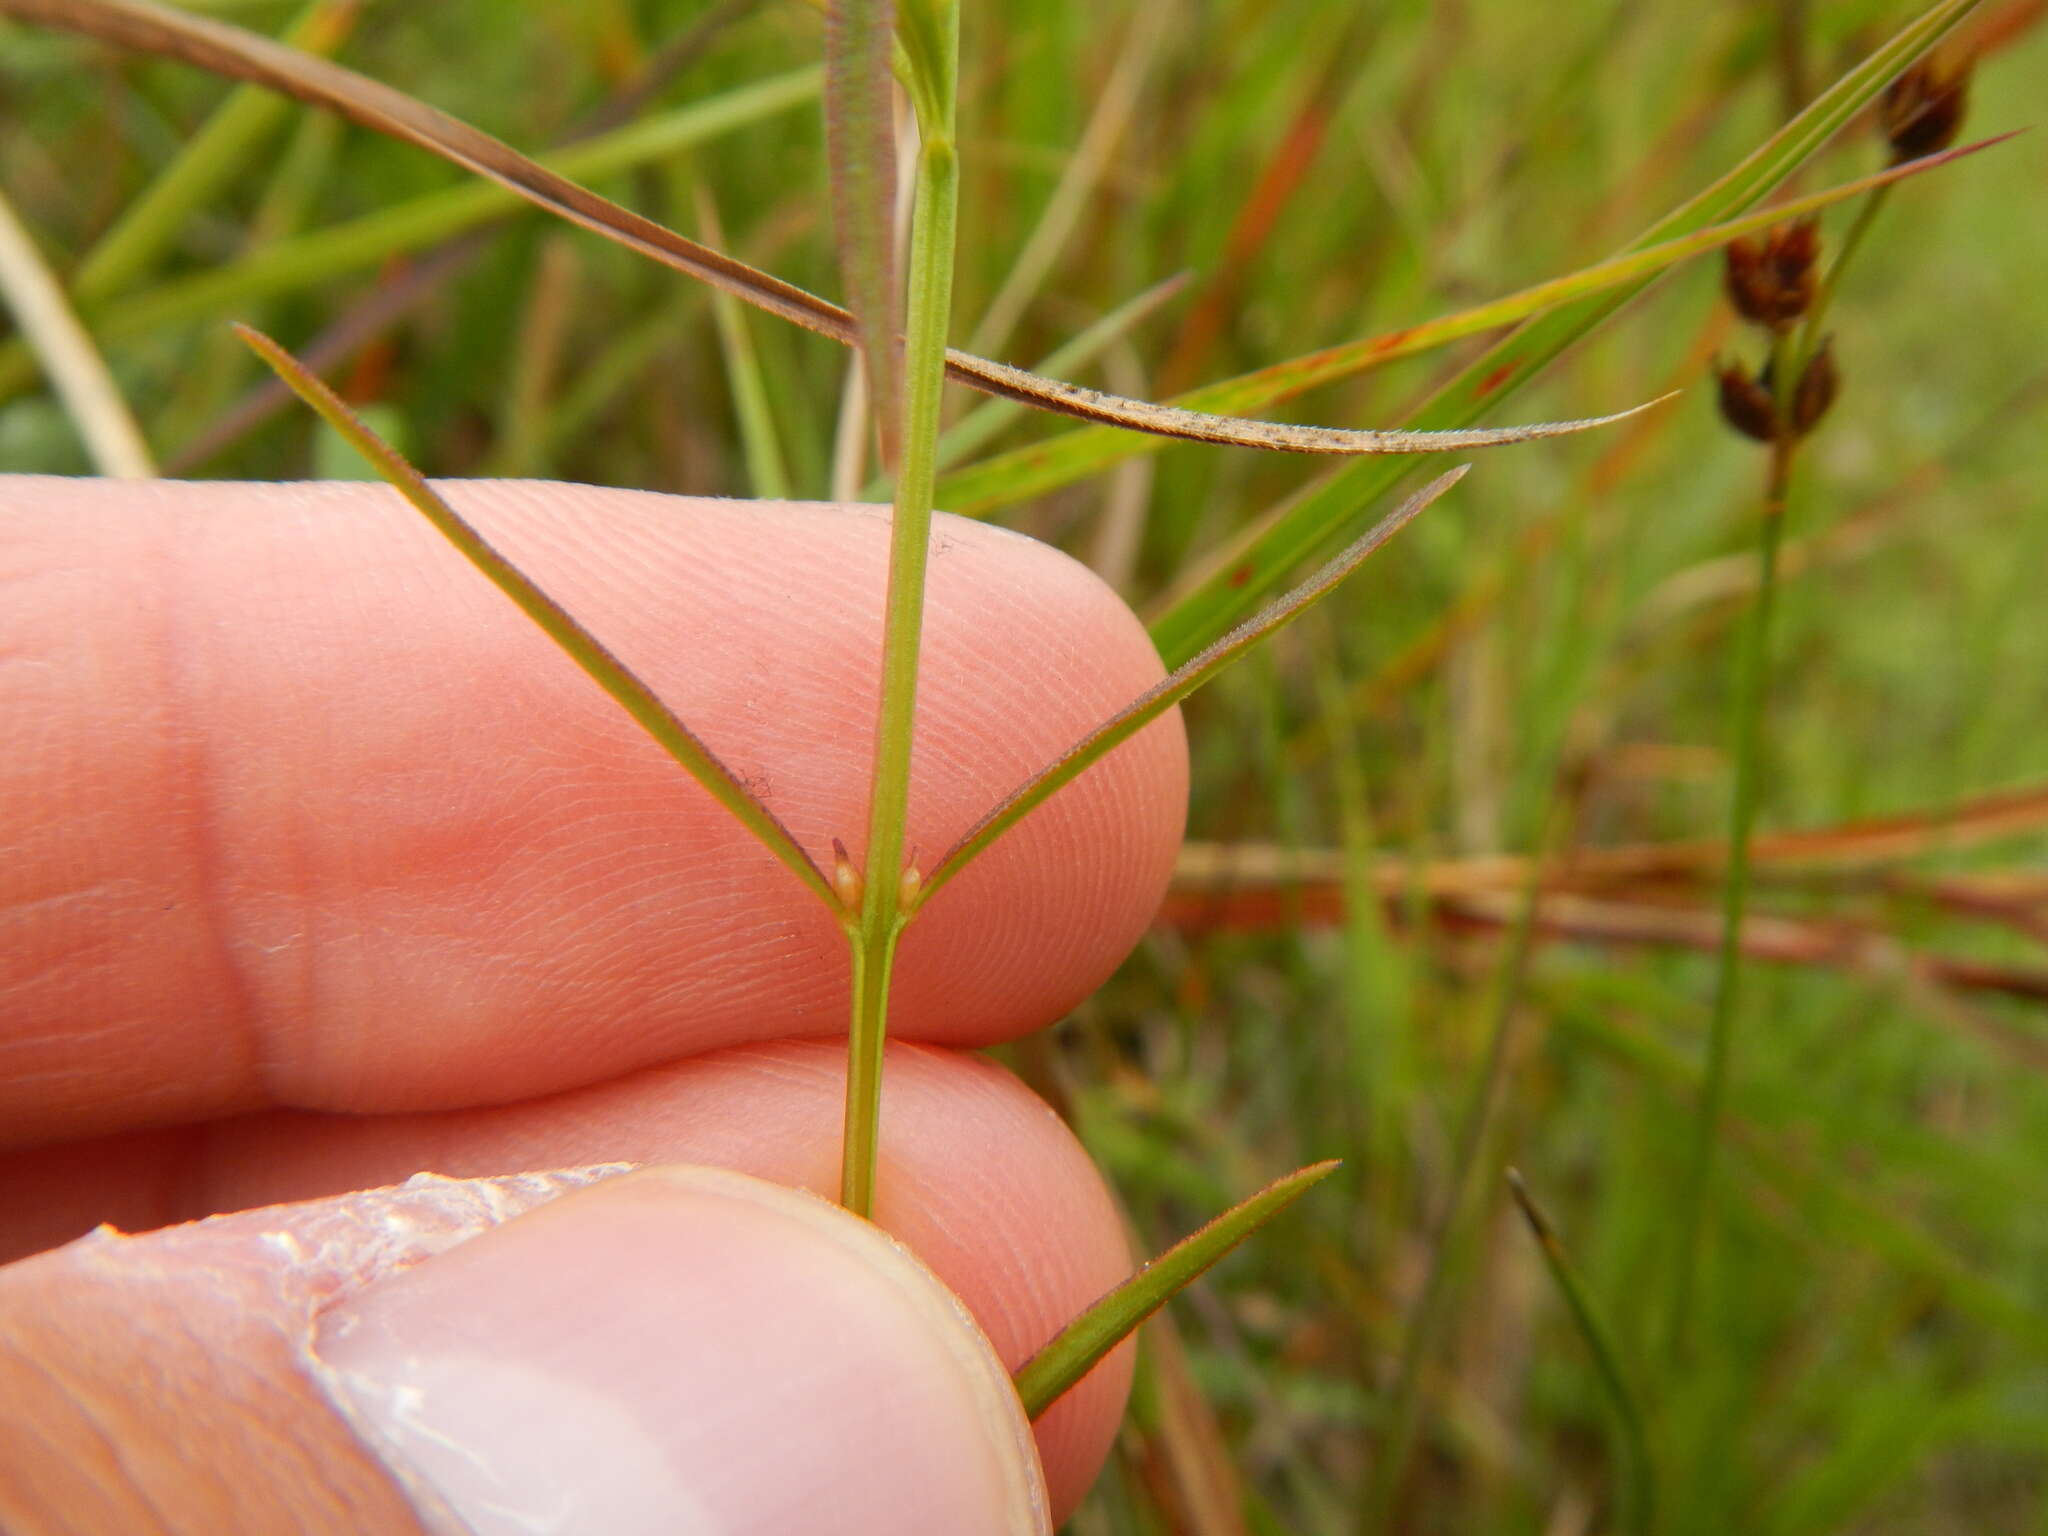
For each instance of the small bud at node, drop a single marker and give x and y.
(908, 887)
(847, 884)
(1746, 403)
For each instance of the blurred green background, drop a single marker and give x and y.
(1542, 664)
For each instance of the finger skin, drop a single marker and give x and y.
(162, 1385)
(343, 1366)
(978, 1178)
(302, 813)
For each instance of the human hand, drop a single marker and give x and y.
(320, 867)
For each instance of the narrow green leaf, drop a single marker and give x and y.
(1639, 1497)
(584, 648)
(212, 157)
(860, 145)
(1073, 1352)
(1184, 680)
(244, 55)
(1038, 468)
(1241, 577)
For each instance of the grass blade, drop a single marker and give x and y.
(1183, 681)
(1639, 1498)
(860, 143)
(320, 254)
(80, 374)
(243, 55)
(1257, 565)
(760, 445)
(213, 156)
(584, 648)
(1078, 180)
(1073, 1352)
(1038, 468)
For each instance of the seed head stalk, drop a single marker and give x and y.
(1752, 683)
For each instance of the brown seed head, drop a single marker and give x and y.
(1772, 281)
(1817, 387)
(1923, 108)
(1746, 403)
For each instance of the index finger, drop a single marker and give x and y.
(300, 812)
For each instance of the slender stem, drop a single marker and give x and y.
(1383, 1489)
(1752, 672)
(1538, 811)
(874, 954)
(882, 914)
(1866, 215)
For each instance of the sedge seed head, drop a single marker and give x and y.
(1746, 403)
(1924, 107)
(1819, 383)
(1771, 281)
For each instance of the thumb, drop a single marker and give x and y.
(679, 1349)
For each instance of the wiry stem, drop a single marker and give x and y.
(1752, 674)
(882, 912)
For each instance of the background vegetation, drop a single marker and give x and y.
(1541, 665)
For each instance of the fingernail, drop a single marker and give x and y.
(683, 1350)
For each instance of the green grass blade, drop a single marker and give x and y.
(1074, 1351)
(231, 51)
(1329, 511)
(584, 648)
(93, 401)
(322, 254)
(1639, 1499)
(760, 443)
(1084, 170)
(1038, 468)
(1184, 680)
(213, 156)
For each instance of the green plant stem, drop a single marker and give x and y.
(1866, 215)
(1383, 1489)
(882, 913)
(1752, 670)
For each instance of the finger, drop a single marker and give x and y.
(681, 1348)
(308, 815)
(977, 1177)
